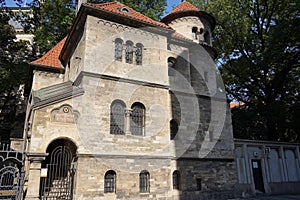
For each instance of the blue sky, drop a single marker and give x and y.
(170, 4)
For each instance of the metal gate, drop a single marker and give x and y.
(11, 173)
(60, 175)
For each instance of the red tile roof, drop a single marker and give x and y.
(116, 7)
(50, 59)
(185, 6)
(180, 36)
(236, 104)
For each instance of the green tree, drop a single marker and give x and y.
(51, 22)
(13, 74)
(52, 19)
(259, 49)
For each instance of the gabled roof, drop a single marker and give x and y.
(121, 9)
(185, 6)
(50, 59)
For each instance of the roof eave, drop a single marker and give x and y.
(47, 68)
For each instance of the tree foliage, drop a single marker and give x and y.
(51, 22)
(13, 74)
(259, 50)
(52, 19)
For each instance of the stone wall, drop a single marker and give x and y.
(278, 162)
(207, 179)
(202, 149)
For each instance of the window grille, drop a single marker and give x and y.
(129, 52)
(139, 54)
(110, 182)
(118, 49)
(117, 117)
(144, 181)
(137, 119)
(176, 180)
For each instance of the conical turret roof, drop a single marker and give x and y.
(187, 9)
(185, 6)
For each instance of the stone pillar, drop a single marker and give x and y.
(127, 121)
(297, 162)
(33, 185)
(247, 164)
(283, 164)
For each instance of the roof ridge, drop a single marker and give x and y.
(133, 14)
(184, 6)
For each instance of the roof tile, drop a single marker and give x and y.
(116, 7)
(50, 59)
(185, 6)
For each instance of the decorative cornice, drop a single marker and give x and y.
(141, 31)
(114, 156)
(119, 79)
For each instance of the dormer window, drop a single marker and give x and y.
(125, 10)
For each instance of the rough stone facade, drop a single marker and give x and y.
(73, 111)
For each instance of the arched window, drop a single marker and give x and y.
(117, 116)
(194, 33)
(176, 180)
(129, 52)
(171, 65)
(144, 181)
(118, 49)
(139, 54)
(110, 181)
(201, 30)
(173, 128)
(137, 122)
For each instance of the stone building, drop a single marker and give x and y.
(267, 167)
(126, 107)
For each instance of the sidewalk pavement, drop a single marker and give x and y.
(273, 197)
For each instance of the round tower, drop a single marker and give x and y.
(191, 22)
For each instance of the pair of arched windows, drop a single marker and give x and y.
(130, 51)
(196, 33)
(110, 179)
(119, 117)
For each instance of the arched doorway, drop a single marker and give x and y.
(57, 175)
